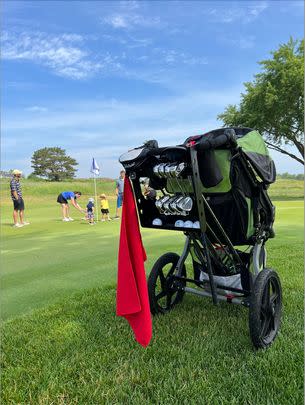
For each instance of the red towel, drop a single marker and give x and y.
(132, 294)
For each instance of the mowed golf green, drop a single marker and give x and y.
(77, 351)
(50, 259)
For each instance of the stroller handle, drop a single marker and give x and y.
(211, 142)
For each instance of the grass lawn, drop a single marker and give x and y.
(62, 344)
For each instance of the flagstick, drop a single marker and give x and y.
(96, 204)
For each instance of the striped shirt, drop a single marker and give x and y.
(15, 186)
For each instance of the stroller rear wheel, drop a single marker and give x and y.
(163, 289)
(265, 308)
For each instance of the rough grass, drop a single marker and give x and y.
(285, 189)
(282, 189)
(49, 189)
(76, 351)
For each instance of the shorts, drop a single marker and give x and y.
(105, 211)
(18, 204)
(119, 201)
(90, 215)
(61, 199)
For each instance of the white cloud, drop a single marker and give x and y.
(130, 4)
(117, 21)
(130, 20)
(257, 9)
(245, 12)
(172, 57)
(244, 42)
(162, 63)
(128, 41)
(37, 108)
(68, 55)
(64, 54)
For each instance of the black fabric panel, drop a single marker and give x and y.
(231, 210)
(209, 171)
(239, 179)
(263, 165)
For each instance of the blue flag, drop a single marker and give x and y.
(95, 167)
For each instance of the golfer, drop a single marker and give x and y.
(63, 199)
(119, 190)
(16, 194)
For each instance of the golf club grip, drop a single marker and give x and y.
(210, 142)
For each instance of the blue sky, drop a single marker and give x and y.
(98, 78)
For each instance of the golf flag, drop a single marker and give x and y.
(95, 167)
(132, 294)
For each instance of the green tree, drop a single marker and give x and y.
(273, 103)
(54, 164)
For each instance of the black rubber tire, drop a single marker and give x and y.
(172, 295)
(265, 309)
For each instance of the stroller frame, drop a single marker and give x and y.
(257, 282)
(204, 253)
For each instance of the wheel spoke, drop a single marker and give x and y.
(273, 298)
(266, 295)
(160, 295)
(268, 292)
(168, 300)
(264, 312)
(162, 279)
(265, 327)
(272, 322)
(172, 269)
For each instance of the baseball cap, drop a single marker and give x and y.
(16, 171)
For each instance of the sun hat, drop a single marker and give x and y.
(91, 199)
(16, 171)
(102, 196)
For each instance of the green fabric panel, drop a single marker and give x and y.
(250, 229)
(222, 158)
(253, 142)
(179, 186)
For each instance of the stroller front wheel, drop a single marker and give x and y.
(265, 308)
(162, 290)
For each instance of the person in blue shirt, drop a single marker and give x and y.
(63, 199)
(119, 190)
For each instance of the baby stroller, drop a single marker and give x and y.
(213, 188)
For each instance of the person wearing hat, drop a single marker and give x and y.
(16, 195)
(90, 211)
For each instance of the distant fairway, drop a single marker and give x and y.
(77, 351)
